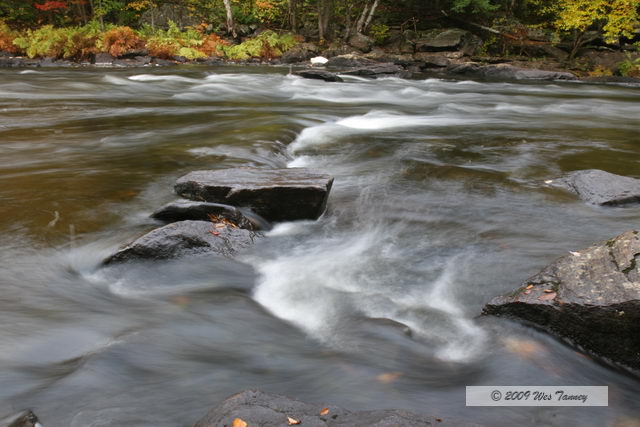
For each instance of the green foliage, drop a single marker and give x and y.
(173, 41)
(629, 67)
(481, 7)
(379, 32)
(269, 44)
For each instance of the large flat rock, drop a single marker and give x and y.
(507, 72)
(257, 408)
(600, 187)
(275, 194)
(185, 238)
(590, 297)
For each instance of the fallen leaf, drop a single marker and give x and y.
(549, 181)
(527, 292)
(530, 287)
(239, 423)
(220, 225)
(324, 411)
(215, 233)
(439, 420)
(293, 421)
(575, 253)
(547, 297)
(548, 291)
(389, 377)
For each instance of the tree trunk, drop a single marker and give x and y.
(231, 27)
(325, 13)
(293, 15)
(361, 20)
(370, 17)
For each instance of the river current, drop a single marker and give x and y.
(439, 204)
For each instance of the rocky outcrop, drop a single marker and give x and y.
(319, 75)
(590, 297)
(203, 211)
(301, 53)
(349, 61)
(256, 408)
(275, 194)
(507, 72)
(361, 42)
(600, 187)
(185, 238)
(378, 70)
(452, 39)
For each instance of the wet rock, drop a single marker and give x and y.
(23, 419)
(590, 297)
(613, 79)
(319, 75)
(103, 59)
(507, 72)
(275, 194)
(378, 70)
(10, 62)
(349, 61)
(185, 238)
(600, 187)
(432, 60)
(301, 53)
(138, 61)
(361, 42)
(53, 62)
(202, 211)
(257, 408)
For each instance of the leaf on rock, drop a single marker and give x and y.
(293, 421)
(324, 411)
(530, 287)
(548, 291)
(239, 423)
(548, 296)
(389, 377)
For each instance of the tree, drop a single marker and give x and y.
(325, 14)
(231, 28)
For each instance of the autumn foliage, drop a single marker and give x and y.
(120, 40)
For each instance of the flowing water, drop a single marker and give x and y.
(438, 205)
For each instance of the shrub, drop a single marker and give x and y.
(119, 40)
(267, 45)
(7, 36)
(44, 42)
(81, 42)
(212, 45)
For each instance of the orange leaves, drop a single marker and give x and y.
(51, 5)
(239, 423)
(120, 40)
(293, 421)
(325, 411)
(211, 44)
(547, 296)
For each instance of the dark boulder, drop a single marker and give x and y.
(507, 72)
(378, 70)
(103, 59)
(361, 42)
(275, 194)
(349, 61)
(23, 419)
(185, 238)
(590, 297)
(203, 211)
(319, 75)
(600, 187)
(452, 39)
(257, 408)
(301, 53)
(432, 60)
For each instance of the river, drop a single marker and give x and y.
(439, 204)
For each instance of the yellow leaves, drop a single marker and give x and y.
(239, 423)
(139, 5)
(620, 17)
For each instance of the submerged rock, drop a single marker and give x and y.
(185, 238)
(591, 298)
(274, 194)
(319, 75)
(202, 211)
(378, 70)
(23, 419)
(600, 187)
(507, 72)
(257, 408)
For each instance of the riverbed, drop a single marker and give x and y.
(439, 204)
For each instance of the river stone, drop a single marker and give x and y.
(378, 70)
(591, 298)
(451, 39)
(319, 75)
(274, 194)
(257, 408)
(201, 211)
(600, 187)
(184, 238)
(507, 72)
(349, 61)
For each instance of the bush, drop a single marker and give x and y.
(44, 42)
(7, 36)
(173, 42)
(267, 45)
(119, 40)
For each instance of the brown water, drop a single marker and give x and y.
(438, 205)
